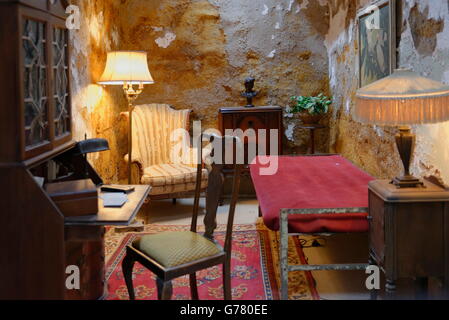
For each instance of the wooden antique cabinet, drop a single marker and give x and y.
(34, 82)
(409, 232)
(37, 241)
(35, 127)
(255, 118)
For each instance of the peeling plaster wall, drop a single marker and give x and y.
(96, 110)
(200, 52)
(424, 45)
(370, 147)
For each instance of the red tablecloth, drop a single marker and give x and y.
(313, 182)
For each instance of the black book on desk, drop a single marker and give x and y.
(117, 188)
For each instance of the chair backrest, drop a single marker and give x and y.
(215, 185)
(153, 125)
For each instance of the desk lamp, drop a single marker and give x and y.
(402, 99)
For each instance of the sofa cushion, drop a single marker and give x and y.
(176, 188)
(171, 174)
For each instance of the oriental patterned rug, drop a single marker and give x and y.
(255, 268)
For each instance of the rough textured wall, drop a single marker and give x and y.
(371, 147)
(96, 110)
(200, 52)
(424, 45)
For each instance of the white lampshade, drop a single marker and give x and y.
(129, 67)
(403, 98)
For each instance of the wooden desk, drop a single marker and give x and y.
(84, 243)
(114, 216)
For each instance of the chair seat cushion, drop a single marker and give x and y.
(170, 174)
(172, 249)
(175, 188)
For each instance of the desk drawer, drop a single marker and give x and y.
(377, 228)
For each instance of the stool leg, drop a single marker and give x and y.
(164, 289)
(127, 268)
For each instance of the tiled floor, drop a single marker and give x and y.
(341, 248)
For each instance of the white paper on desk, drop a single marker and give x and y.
(114, 199)
(40, 181)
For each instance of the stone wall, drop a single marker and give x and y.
(425, 47)
(423, 44)
(96, 110)
(199, 53)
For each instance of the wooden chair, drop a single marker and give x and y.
(173, 254)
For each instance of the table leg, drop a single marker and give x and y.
(312, 141)
(374, 293)
(446, 253)
(446, 287)
(84, 246)
(284, 254)
(421, 288)
(391, 289)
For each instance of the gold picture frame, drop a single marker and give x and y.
(377, 41)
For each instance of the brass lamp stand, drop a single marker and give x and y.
(128, 69)
(405, 140)
(131, 95)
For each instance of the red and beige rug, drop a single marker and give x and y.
(255, 268)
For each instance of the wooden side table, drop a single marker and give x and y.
(409, 232)
(312, 128)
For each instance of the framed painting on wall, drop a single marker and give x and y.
(377, 41)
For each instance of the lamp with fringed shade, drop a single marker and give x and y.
(401, 99)
(129, 69)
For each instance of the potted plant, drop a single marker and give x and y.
(310, 109)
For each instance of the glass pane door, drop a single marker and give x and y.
(35, 82)
(60, 83)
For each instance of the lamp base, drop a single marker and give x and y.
(131, 94)
(404, 141)
(407, 182)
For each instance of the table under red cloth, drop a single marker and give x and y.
(312, 182)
